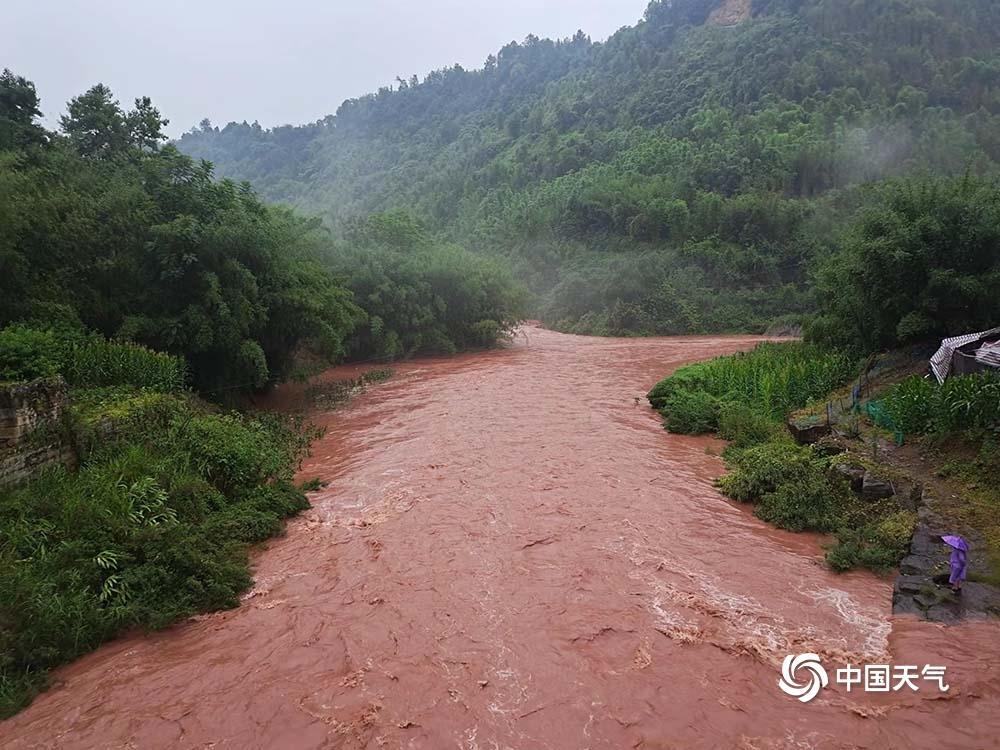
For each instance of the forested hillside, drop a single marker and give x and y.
(104, 230)
(684, 175)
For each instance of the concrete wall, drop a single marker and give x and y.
(32, 429)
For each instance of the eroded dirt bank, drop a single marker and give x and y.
(512, 554)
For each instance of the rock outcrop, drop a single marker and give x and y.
(731, 13)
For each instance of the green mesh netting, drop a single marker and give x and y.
(879, 416)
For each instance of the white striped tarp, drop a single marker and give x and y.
(941, 361)
(989, 354)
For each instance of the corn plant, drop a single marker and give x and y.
(774, 378)
(96, 362)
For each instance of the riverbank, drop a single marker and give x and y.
(847, 474)
(143, 516)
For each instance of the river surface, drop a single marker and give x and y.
(511, 553)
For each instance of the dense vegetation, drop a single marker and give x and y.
(919, 406)
(419, 295)
(775, 378)
(102, 229)
(745, 399)
(822, 161)
(85, 360)
(154, 525)
(922, 262)
(680, 176)
(958, 426)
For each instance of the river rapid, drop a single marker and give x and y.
(512, 553)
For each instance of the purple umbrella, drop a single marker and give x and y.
(957, 542)
(958, 565)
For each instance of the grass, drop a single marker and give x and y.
(95, 362)
(970, 463)
(154, 527)
(921, 406)
(85, 360)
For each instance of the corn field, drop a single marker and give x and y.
(774, 378)
(96, 363)
(919, 405)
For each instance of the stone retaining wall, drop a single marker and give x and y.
(32, 429)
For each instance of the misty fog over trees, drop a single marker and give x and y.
(682, 176)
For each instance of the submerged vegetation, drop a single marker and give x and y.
(336, 392)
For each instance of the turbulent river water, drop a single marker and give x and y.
(512, 553)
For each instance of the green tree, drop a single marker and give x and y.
(922, 262)
(152, 248)
(18, 112)
(145, 125)
(95, 123)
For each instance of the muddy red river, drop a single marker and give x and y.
(511, 553)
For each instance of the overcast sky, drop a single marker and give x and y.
(284, 61)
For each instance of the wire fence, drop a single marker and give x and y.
(862, 388)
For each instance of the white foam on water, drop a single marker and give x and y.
(738, 622)
(873, 628)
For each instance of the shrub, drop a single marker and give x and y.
(691, 412)
(743, 427)
(228, 450)
(690, 378)
(151, 529)
(844, 555)
(878, 544)
(762, 469)
(27, 354)
(807, 503)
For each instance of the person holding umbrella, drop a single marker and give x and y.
(959, 561)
